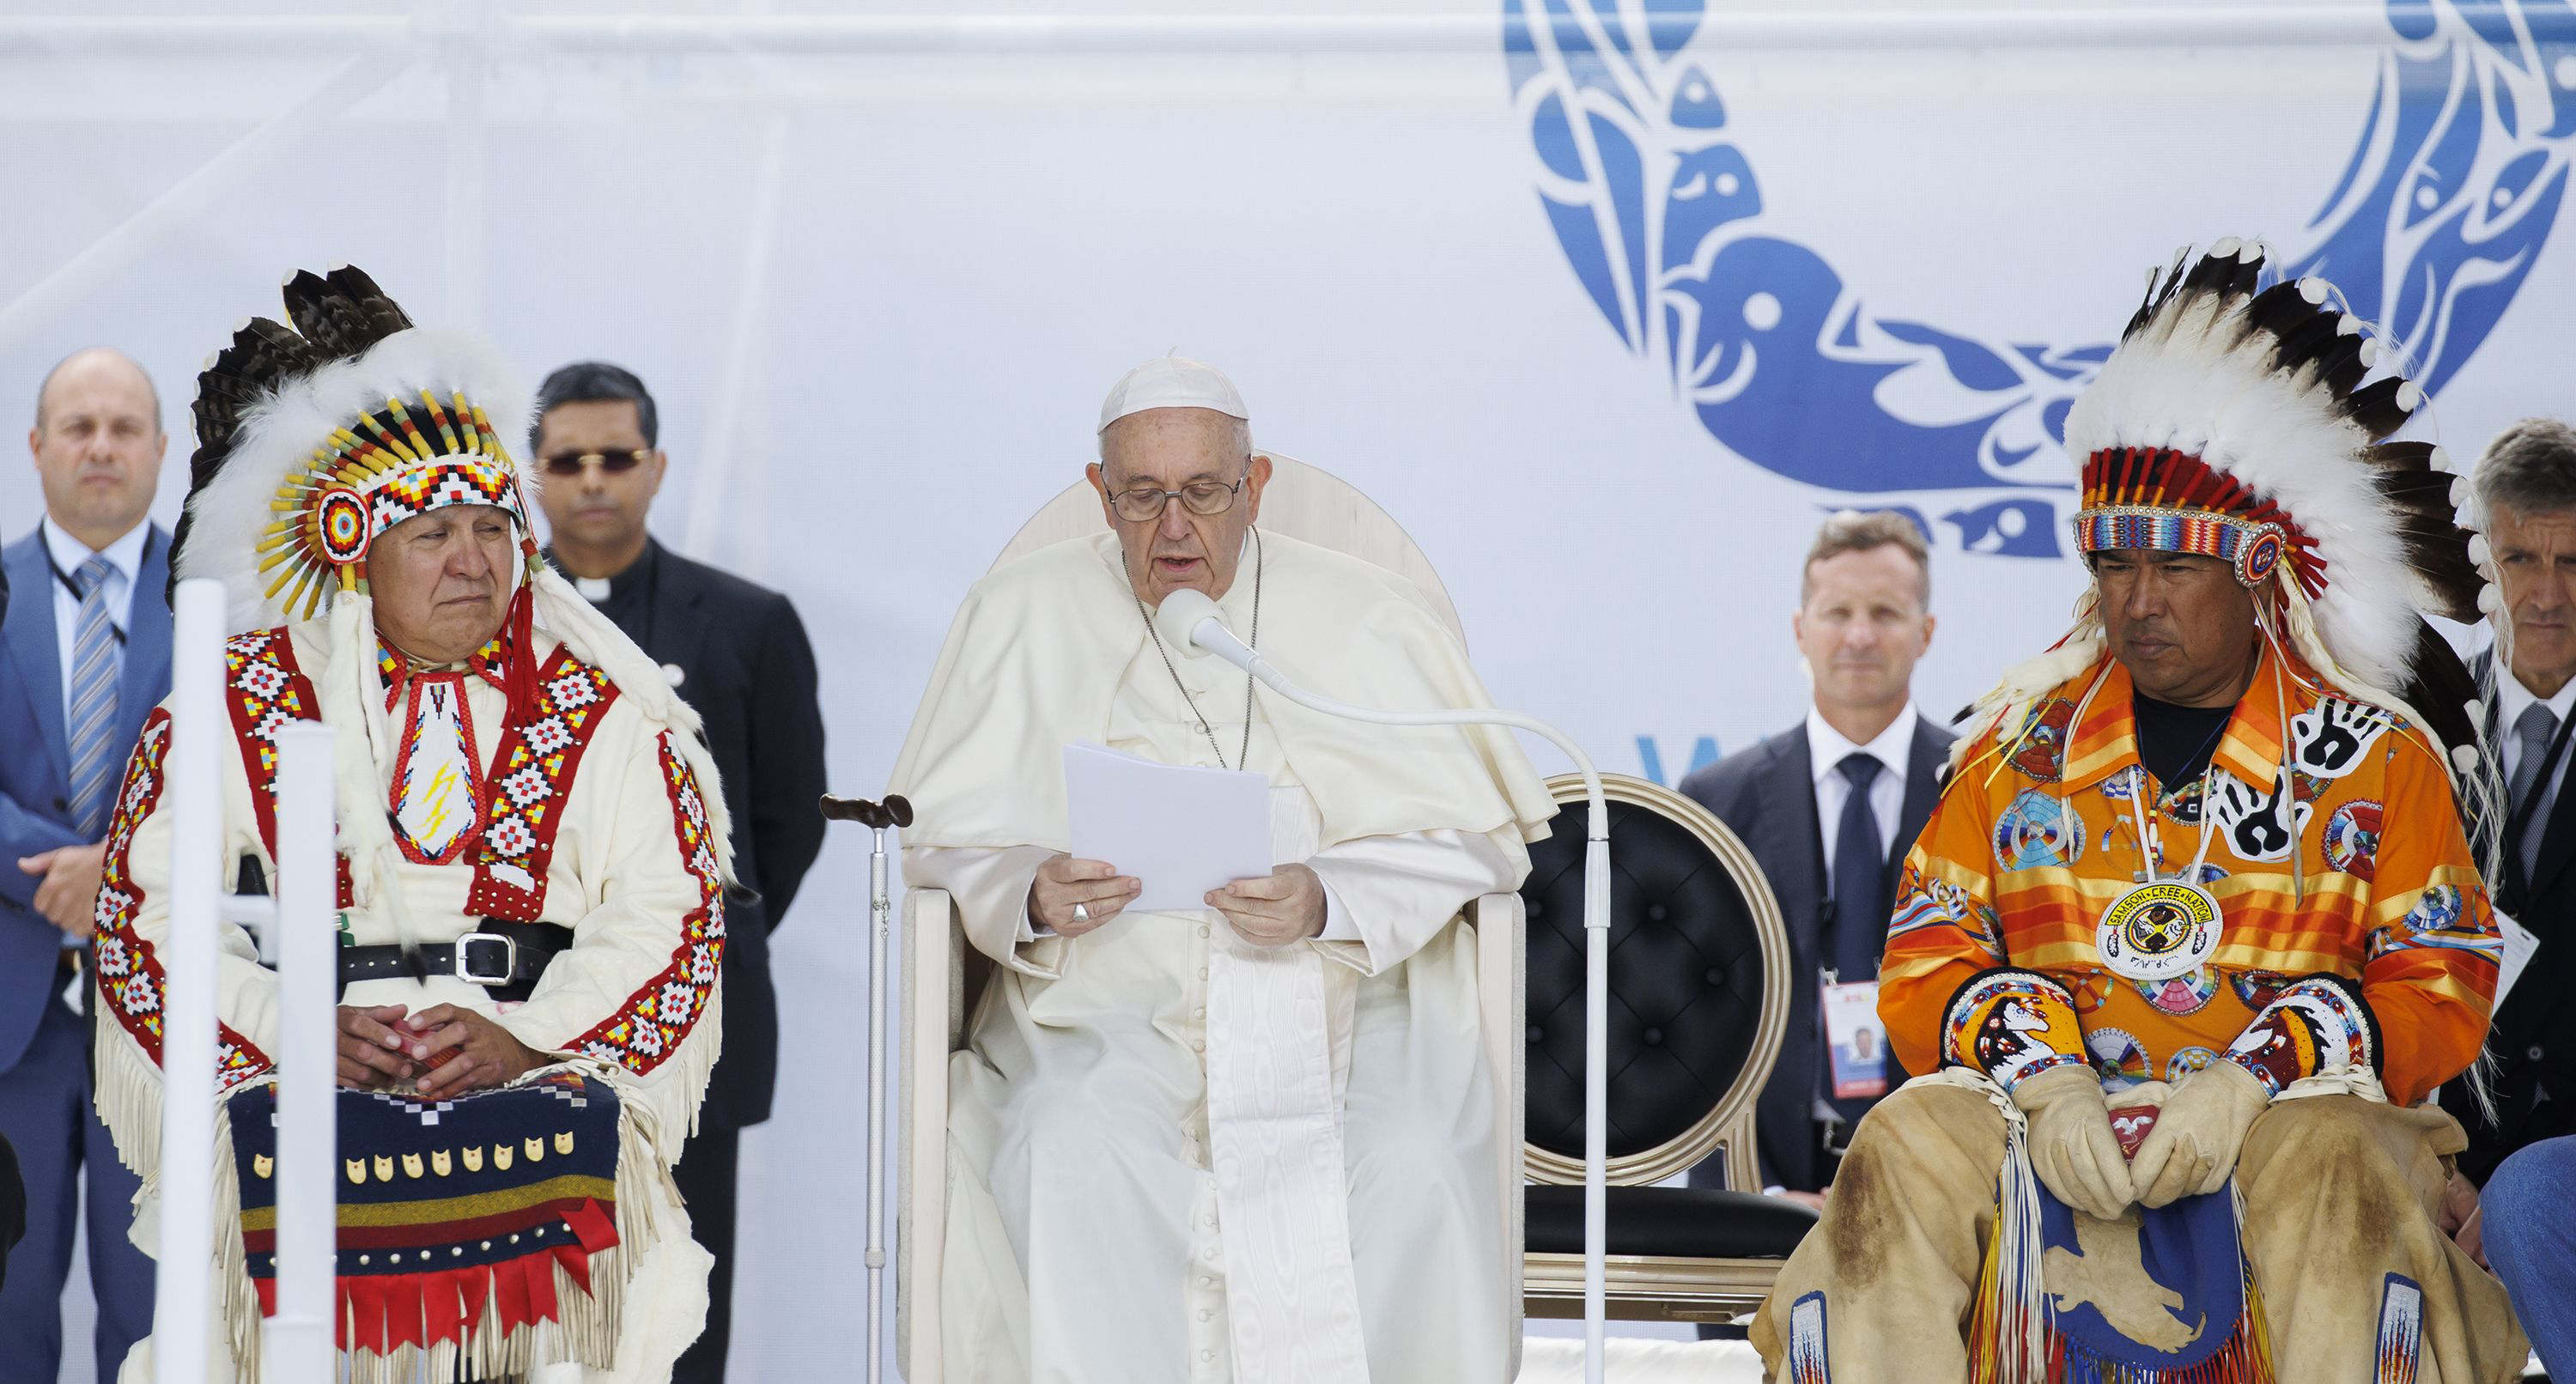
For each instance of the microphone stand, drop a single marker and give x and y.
(297, 938)
(1190, 619)
(877, 817)
(183, 1290)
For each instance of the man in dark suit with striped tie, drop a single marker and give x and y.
(2507, 1199)
(84, 656)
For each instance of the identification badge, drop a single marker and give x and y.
(1856, 1039)
(2158, 931)
(2519, 943)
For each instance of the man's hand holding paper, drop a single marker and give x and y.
(1064, 882)
(1284, 906)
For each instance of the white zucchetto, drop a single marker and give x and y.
(1171, 382)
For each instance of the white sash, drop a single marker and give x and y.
(1275, 1127)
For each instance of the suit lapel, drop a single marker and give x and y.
(678, 634)
(1789, 783)
(2558, 839)
(31, 646)
(146, 676)
(2508, 890)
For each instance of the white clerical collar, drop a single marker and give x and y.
(125, 554)
(2512, 698)
(1828, 747)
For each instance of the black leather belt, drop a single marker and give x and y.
(504, 958)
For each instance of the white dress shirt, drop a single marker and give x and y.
(124, 562)
(2512, 699)
(1826, 750)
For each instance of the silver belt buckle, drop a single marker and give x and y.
(464, 966)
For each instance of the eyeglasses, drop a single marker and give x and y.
(614, 463)
(1145, 503)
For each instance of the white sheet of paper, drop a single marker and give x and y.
(2519, 943)
(1179, 830)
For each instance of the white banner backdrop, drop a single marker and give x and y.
(1608, 306)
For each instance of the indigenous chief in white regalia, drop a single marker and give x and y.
(532, 873)
(1252, 1141)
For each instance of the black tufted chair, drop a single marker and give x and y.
(1698, 999)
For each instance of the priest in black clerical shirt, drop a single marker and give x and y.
(737, 653)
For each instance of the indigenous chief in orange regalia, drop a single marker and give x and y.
(2196, 926)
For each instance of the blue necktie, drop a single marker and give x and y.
(1859, 912)
(1860, 877)
(93, 701)
(2535, 728)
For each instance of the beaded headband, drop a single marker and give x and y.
(2161, 500)
(356, 487)
(2253, 550)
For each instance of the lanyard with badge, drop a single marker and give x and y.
(115, 631)
(1855, 1037)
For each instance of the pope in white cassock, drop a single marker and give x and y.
(1253, 1141)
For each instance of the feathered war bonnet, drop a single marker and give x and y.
(312, 442)
(2251, 424)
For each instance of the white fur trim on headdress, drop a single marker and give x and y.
(2198, 381)
(231, 514)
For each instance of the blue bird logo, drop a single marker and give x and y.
(2437, 219)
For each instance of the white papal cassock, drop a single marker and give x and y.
(1174, 1155)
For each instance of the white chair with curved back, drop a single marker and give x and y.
(942, 976)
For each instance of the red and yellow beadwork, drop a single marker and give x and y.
(394, 464)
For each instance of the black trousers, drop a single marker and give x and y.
(706, 1178)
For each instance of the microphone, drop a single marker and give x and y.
(1188, 619)
(1191, 620)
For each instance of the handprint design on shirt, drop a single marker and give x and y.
(2329, 739)
(2255, 823)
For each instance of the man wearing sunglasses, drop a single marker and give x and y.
(1247, 1134)
(738, 653)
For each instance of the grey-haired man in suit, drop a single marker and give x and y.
(1829, 807)
(84, 657)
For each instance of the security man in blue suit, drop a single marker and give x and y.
(13, 1194)
(84, 656)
